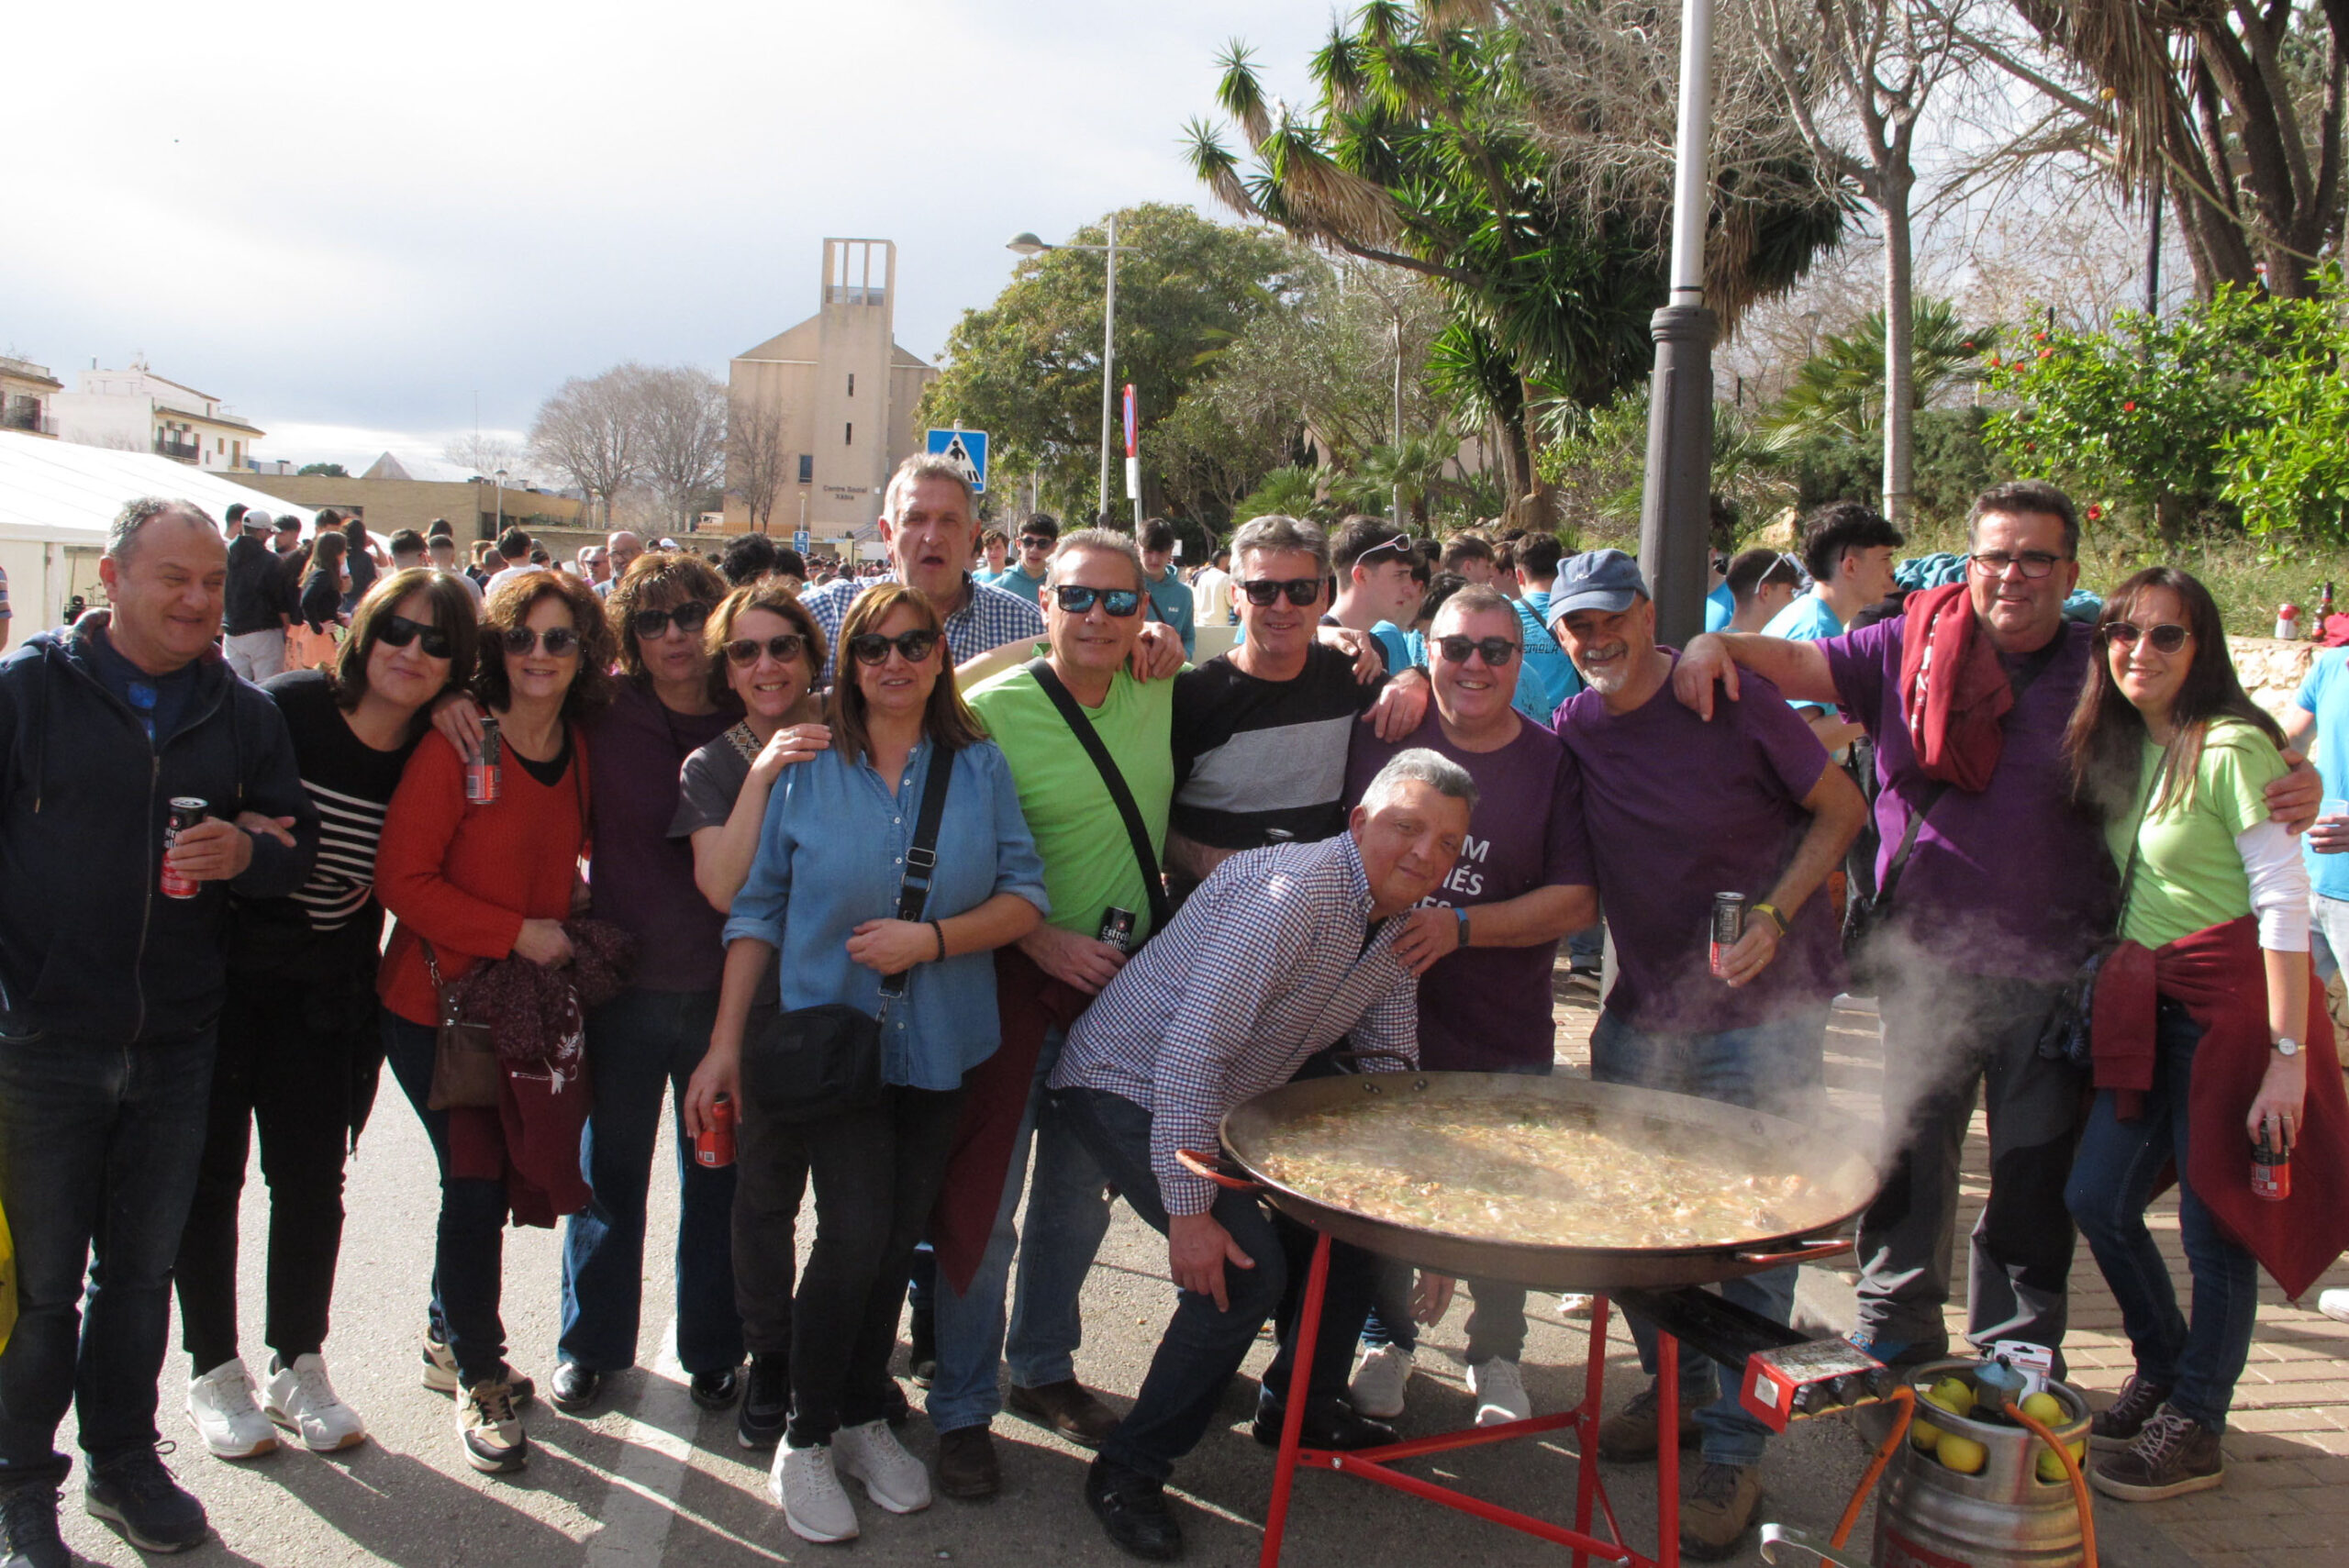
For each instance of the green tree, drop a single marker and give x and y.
(323, 470)
(1027, 368)
(1291, 491)
(1839, 392)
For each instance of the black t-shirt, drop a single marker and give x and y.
(254, 600)
(363, 571)
(1257, 761)
(333, 914)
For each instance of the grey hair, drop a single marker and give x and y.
(1483, 596)
(137, 514)
(1431, 768)
(912, 471)
(1104, 541)
(1275, 532)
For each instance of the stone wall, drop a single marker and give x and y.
(2272, 670)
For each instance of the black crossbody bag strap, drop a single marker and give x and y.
(921, 855)
(2019, 684)
(1153, 886)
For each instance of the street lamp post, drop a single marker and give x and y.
(501, 500)
(1026, 244)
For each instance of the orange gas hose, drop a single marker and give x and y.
(1906, 1397)
(2072, 1472)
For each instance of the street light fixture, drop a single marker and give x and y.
(501, 500)
(1027, 244)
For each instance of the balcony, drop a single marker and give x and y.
(185, 451)
(28, 416)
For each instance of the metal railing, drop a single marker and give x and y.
(27, 417)
(186, 451)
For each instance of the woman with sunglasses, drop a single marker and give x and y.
(480, 881)
(300, 1050)
(824, 893)
(2168, 749)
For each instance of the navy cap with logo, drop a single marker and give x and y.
(1603, 580)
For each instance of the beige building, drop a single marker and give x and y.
(137, 410)
(388, 505)
(26, 390)
(842, 392)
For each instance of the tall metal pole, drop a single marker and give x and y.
(1397, 312)
(2153, 255)
(1109, 370)
(1675, 505)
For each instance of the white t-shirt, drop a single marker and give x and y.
(1211, 596)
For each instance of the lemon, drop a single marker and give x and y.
(2051, 1468)
(2043, 1408)
(1924, 1434)
(1962, 1454)
(1953, 1395)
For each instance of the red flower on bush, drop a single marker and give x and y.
(2129, 406)
(2095, 512)
(2046, 353)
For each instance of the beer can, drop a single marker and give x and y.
(714, 1146)
(483, 780)
(1728, 925)
(1117, 928)
(2271, 1169)
(186, 812)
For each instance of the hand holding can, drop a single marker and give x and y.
(714, 1146)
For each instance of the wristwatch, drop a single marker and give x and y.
(1777, 918)
(2286, 1046)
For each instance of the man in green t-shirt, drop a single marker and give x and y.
(1092, 597)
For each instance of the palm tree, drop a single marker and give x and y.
(1838, 395)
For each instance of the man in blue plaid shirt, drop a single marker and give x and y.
(1280, 953)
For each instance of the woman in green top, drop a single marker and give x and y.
(2167, 746)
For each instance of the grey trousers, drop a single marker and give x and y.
(1948, 1039)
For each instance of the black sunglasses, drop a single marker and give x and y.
(2167, 637)
(1301, 591)
(783, 648)
(558, 640)
(1076, 601)
(649, 624)
(872, 648)
(398, 631)
(1036, 542)
(1497, 651)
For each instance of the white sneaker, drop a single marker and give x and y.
(2334, 1304)
(804, 1487)
(893, 1478)
(221, 1404)
(1376, 1389)
(301, 1400)
(1574, 1303)
(1499, 1388)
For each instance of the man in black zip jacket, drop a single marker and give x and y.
(109, 990)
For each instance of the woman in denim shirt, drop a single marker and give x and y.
(833, 855)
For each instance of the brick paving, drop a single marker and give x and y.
(2285, 1500)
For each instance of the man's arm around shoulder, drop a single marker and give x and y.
(1799, 670)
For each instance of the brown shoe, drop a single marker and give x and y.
(2116, 1426)
(1719, 1511)
(1628, 1437)
(1069, 1409)
(966, 1463)
(2173, 1454)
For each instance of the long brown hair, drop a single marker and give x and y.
(510, 606)
(658, 579)
(945, 719)
(452, 614)
(2107, 735)
(777, 600)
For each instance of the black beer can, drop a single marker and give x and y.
(1728, 925)
(186, 812)
(1117, 928)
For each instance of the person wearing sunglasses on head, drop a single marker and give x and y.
(1847, 553)
(1377, 590)
(1761, 583)
(835, 871)
(471, 882)
(2210, 1036)
(2002, 853)
(300, 1048)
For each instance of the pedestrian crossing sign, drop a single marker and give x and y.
(966, 450)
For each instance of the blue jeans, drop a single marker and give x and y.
(2328, 933)
(2112, 1180)
(1778, 1067)
(1067, 1217)
(99, 1145)
(469, 1246)
(639, 1044)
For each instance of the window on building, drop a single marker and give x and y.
(848, 438)
(806, 468)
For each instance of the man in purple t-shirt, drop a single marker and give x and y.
(1677, 811)
(2001, 896)
(1483, 945)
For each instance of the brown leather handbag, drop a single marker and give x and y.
(466, 1074)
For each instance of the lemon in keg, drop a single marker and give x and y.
(2043, 1406)
(1962, 1454)
(1952, 1394)
(2051, 1467)
(1925, 1435)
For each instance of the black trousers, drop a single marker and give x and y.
(298, 1059)
(876, 1174)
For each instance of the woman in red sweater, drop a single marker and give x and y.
(480, 883)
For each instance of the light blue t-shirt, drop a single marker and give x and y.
(1012, 580)
(2325, 692)
(1806, 618)
(1721, 608)
(1560, 680)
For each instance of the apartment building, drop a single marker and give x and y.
(26, 390)
(137, 410)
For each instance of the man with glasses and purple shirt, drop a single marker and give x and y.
(2005, 886)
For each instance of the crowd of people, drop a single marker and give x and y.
(949, 890)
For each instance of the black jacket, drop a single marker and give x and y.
(255, 598)
(91, 950)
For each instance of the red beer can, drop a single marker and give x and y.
(2271, 1169)
(484, 780)
(186, 812)
(1728, 925)
(714, 1144)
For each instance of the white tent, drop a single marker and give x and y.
(56, 499)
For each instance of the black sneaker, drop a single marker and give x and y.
(766, 1400)
(1132, 1509)
(2116, 1426)
(134, 1492)
(573, 1387)
(716, 1390)
(28, 1537)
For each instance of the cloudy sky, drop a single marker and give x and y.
(350, 222)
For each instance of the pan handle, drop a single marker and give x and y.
(1201, 1165)
(1375, 1053)
(1805, 1253)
